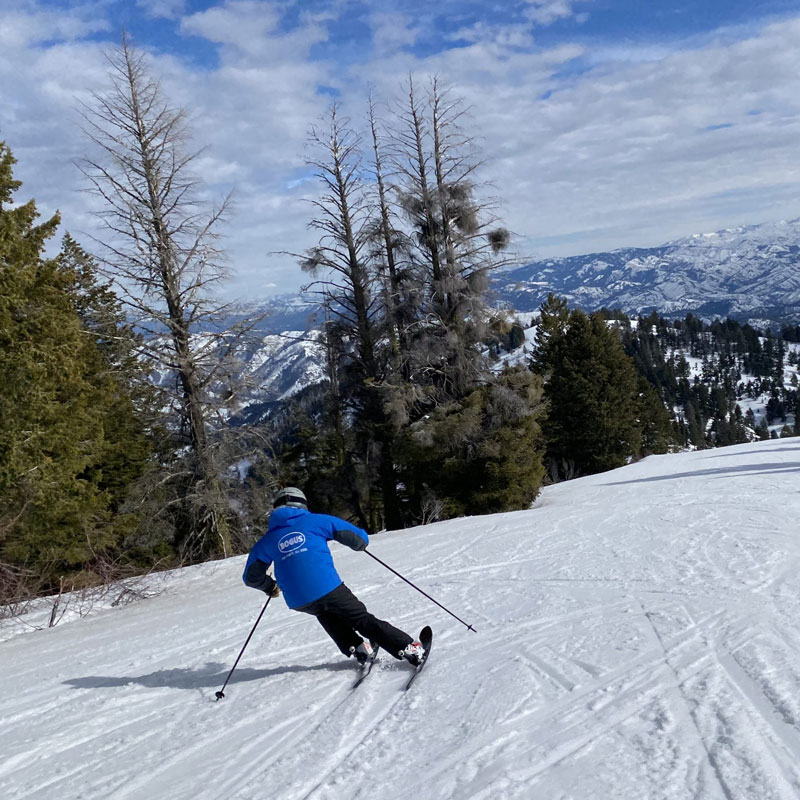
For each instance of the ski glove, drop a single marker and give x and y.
(271, 587)
(351, 539)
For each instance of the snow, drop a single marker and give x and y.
(522, 355)
(637, 637)
(291, 361)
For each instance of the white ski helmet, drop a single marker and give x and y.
(290, 496)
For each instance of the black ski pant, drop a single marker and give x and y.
(341, 613)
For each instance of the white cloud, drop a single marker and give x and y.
(163, 9)
(631, 147)
(546, 12)
(238, 22)
(518, 36)
(28, 26)
(249, 29)
(391, 31)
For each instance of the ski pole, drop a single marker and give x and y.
(221, 693)
(469, 627)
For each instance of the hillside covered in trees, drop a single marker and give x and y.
(726, 383)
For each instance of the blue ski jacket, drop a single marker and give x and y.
(296, 541)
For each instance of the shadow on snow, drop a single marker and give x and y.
(212, 675)
(748, 469)
(714, 452)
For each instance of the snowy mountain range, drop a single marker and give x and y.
(751, 272)
(637, 637)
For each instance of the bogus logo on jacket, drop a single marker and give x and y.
(291, 541)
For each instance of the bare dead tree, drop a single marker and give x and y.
(473, 242)
(457, 239)
(390, 245)
(411, 162)
(401, 264)
(162, 252)
(351, 290)
(343, 217)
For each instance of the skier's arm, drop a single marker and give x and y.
(347, 534)
(256, 575)
(353, 540)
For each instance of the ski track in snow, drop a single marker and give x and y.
(638, 637)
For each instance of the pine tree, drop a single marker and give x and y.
(457, 242)
(407, 324)
(131, 419)
(762, 429)
(69, 443)
(359, 318)
(658, 433)
(391, 246)
(554, 320)
(163, 256)
(593, 422)
(478, 455)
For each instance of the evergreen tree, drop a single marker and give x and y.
(658, 432)
(69, 442)
(479, 455)
(359, 321)
(457, 242)
(391, 246)
(554, 320)
(407, 325)
(516, 337)
(593, 422)
(132, 423)
(442, 398)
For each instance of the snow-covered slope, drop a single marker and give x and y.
(638, 637)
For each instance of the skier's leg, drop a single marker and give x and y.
(340, 631)
(337, 628)
(342, 603)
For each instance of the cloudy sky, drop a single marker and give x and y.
(604, 123)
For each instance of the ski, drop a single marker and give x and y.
(425, 639)
(366, 668)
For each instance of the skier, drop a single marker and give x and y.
(296, 542)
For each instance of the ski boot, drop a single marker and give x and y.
(413, 653)
(363, 653)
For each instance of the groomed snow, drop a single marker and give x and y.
(638, 637)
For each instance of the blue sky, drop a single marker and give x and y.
(594, 23)
(605, 123)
